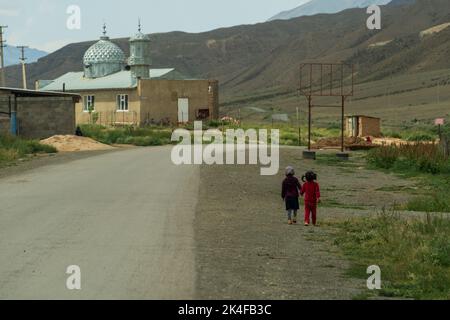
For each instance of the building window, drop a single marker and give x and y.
(89, 104)
(203, 114)
(122, 102)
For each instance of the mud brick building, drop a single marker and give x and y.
(120, 91)
(362, 126)
(38, 114)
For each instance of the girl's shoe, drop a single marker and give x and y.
(306, 224)
(294, 222)
(289, 222)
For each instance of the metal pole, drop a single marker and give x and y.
(343, 124)
(299, 129)
(13, 119)
(2, 61)
(309, 121)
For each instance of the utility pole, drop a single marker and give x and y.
(23, 59)
(2, 62)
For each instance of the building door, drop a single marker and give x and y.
(183, 110)
(352, 128)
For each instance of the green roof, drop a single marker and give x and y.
(74, 81)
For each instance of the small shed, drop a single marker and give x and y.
(37, 114)
(362, 126)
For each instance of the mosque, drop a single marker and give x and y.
(120, 91)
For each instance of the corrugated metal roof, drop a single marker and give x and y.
(74, 81)
(33, 93)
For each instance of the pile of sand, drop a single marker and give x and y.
(73, 144)
(336, 142)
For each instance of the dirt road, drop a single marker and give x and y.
(125, 218)
(142, 228)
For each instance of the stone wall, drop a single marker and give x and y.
(43, 117)
(4, 125)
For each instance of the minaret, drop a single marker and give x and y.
(140, 60)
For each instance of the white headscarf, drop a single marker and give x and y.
(290, 171)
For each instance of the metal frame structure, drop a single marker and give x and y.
(309, 89)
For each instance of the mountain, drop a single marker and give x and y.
(326, 6)
(12, 55)
(264, 59)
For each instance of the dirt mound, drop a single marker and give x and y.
(73, 144)
(351, 143)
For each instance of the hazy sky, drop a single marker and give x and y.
(42, 23)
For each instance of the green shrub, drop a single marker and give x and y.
(422, 157)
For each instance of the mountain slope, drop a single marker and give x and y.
(264, 58)
(12, 55)
(325, 6)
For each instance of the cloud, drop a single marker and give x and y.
(9, 13)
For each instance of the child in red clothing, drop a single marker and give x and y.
(311, 193)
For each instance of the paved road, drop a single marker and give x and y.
(125, 218)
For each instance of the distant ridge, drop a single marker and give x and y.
(12, 55)
(326, 6)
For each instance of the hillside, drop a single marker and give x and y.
(263, 59)
(325, 6)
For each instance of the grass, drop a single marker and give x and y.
(150, 136)
(426, 163)
(413, 254)
(13, 148)
(290, 135)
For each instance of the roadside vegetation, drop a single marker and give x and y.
(423, 161)
(14, 148)
(413, 253)
(290, 135)
(157, 135)
(149, 136)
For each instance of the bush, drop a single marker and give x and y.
(422, 157)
